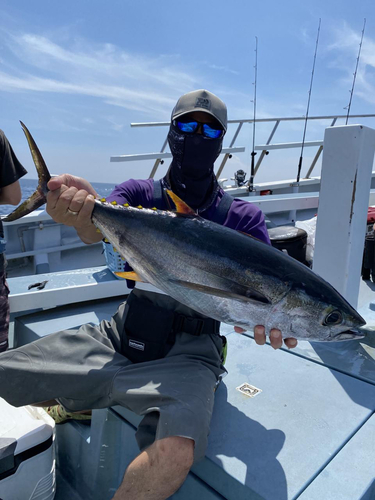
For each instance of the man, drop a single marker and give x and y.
(11, 171)
(173, 380)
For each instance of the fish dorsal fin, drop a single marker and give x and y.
(181, 207)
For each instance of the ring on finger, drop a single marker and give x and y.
(71, 212)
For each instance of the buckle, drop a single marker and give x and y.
(194, 326)
(199, 326)
(187, 324)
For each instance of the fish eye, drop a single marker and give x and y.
(333, 318)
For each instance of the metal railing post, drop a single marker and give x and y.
(320, 149)
(227, 155)
(158, 161)
(264, 152)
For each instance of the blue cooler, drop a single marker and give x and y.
(27, 453)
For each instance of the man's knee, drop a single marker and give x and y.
(177, 452)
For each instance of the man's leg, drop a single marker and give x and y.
(52, 367)
(158, 471)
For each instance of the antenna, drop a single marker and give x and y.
(308, 105)
(253, 153)
(355, 73)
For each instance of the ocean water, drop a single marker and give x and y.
(28, 186)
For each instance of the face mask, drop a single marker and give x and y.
(191, 173)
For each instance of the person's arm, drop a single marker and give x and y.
(11, 171)
(68, 194)
(11, 195)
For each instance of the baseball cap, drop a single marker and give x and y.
(201, 100)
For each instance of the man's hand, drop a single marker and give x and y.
(276, 338)
(71, 201)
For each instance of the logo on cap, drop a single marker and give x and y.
(201, 102)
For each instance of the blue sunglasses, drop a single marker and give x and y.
(192, 127)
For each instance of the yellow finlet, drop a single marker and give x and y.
(126, 205)
(181, 206)
(103, 200)
(113, 202)
(130, 275)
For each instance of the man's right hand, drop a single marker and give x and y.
(71, 201)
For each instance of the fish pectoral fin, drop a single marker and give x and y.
(181, 206)
(236, 292)
(130, 275)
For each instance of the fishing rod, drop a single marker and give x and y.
(308, 106)
(355, 73)
(253, 153)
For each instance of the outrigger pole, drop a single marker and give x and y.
(308, 106)
(253, 153)
(355, 73)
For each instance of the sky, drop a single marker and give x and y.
(78, 73)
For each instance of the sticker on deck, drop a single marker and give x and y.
(248, 390)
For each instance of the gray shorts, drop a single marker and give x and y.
(84, 369)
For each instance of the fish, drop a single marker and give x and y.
(217, 271)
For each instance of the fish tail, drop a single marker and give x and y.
(39, 197)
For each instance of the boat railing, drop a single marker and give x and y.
(160, 156)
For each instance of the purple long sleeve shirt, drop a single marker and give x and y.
(242, 216)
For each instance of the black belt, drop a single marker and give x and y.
(195, 326)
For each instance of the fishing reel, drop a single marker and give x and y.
(240, 177)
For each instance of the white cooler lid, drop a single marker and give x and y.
(28, 425)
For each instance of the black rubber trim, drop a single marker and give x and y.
(25, 455)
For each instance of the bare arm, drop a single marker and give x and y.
(10, 195)
(76, 194)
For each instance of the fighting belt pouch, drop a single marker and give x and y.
(147, 330)
(150, 330)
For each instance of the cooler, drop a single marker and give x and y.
(27, 453)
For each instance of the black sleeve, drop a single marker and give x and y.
(10, 168)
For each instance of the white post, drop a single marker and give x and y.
(348, 156)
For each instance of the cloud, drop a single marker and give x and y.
(345, 47)
(35, 63)
(224, 68)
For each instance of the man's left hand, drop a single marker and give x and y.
(276, 338)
